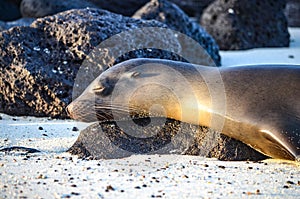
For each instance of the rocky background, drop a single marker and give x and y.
(44, 43)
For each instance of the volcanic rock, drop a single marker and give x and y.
(171, 15)
(243, 24)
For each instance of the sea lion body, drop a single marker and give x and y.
(258, 105)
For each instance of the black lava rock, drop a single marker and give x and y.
(110, 140)
(244, 24)
(171, 15)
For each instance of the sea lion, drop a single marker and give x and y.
(258, 105)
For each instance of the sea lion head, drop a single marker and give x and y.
(134, 88)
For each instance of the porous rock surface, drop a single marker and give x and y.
(243, 24)
(109, 140)
(39, 63)
(170, 14)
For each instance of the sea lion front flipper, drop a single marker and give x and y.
(282, 139)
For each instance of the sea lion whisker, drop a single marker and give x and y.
(116, 108)
(102, 116)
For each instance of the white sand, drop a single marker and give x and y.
(289, 55)
(55, 174)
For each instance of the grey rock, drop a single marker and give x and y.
(43, 65)
(292, 12)
(171, 15)
(243, 24)
(109, 140)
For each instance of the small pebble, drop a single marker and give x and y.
(109, 188)
(65, 196)
(41, 176)
(75, 128)
(290, 182)
(41, 128)
(75, 194)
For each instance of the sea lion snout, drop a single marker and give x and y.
(69, 109)
(82, 110)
